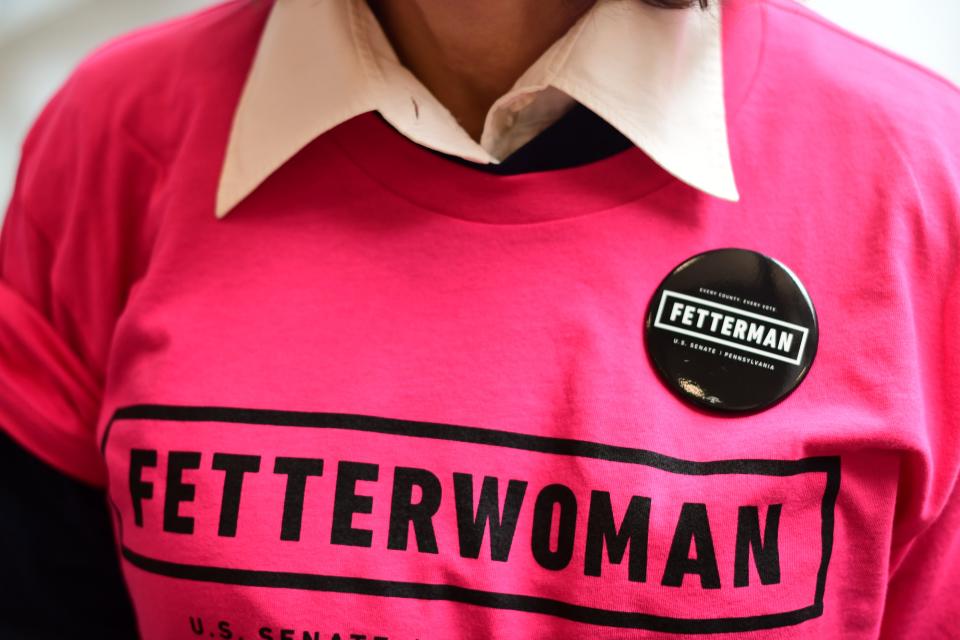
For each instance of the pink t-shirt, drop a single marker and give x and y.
(393, 397)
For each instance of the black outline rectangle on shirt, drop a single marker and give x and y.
(830, 465)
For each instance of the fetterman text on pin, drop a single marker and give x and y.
(722, 324)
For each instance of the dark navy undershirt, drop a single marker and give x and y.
(60, 573)
(578, 137)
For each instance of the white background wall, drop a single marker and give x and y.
(41, 40)
(926, 30)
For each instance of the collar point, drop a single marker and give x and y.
(222, 207)
(726, 192)
(724, 189)
(729, 196)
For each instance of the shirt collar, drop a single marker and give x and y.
(656, 75)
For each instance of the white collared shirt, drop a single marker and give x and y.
(653, 74)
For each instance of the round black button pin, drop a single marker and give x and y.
(732, 330)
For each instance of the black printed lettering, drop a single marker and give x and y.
(633, 532)
(225, 632)
(297, 471)
(404, 512)
(639, 542)
(694, 526)
(766, 553)
(346, 503)
(140, 490)
(554, 495)
(234, 466)
(472, 524)
(178, 491)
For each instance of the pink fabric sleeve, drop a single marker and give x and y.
(924, 593)
(924, 572)
(48, 398)
(924, 589)
(68, 253)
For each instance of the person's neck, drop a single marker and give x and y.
(468, 53)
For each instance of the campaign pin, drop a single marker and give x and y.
(732, 330)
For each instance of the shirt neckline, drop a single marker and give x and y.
(655, 74)
(434, 183)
